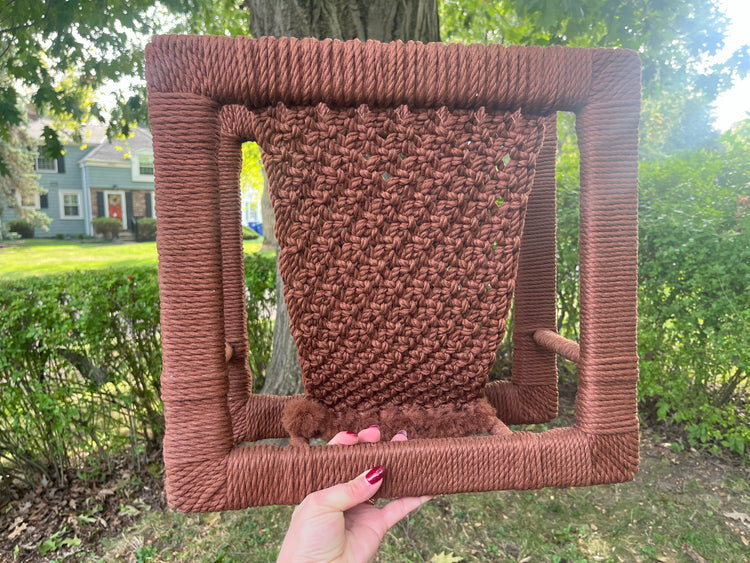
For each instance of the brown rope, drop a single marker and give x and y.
(608, 366)
(399, 233)
(561, 346)
(400, 175)
(306, 71)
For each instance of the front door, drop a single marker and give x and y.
(114, 206)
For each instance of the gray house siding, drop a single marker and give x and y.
(97, 173)
(9, 213)
(67, 180)
(60, 225)
(106, 178)
(58, 184)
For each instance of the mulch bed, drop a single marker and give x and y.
(66, 522)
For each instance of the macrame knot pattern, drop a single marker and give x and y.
(399, 232)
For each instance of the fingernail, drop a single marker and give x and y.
(352, 434)
(375, 474)
(374, 426)
(404, 433)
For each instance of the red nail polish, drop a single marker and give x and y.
(352, 434)
(375, 474)
(374, 426)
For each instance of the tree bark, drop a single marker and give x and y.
(383, 20)
(270, 244)
(283, 373)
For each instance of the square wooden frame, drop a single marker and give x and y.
(198, 90)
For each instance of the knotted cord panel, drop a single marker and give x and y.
(399, 232)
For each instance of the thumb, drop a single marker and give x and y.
(348, 495)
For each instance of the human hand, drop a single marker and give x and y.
(338, 524)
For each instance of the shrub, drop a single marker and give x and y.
(108, 227)
(694, 292)
(248, 233)
(80, 366)
(260, 278)
(146, 229)
(21, 227)
(694, 299)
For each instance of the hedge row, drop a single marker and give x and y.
(80, 366)
(694, 286)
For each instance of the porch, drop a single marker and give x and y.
(126, 205)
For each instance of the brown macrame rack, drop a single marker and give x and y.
(414, 189)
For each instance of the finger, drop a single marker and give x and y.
(370, 434)
(400, 437)
(344, 439)
(397, 509)
(347, 495)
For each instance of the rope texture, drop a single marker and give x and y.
(375, 143)
(302, 72)
(399, 233)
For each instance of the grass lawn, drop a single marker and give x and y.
(39, 257)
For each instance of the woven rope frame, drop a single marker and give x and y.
(201, 90)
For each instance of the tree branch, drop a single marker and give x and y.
(48, 3)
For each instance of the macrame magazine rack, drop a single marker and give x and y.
(414, 190)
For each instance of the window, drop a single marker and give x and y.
(30, 200)
(46, 164)
(70, 204)
(146, 165)
(143, 166)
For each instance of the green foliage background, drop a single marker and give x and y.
(695, 290)
(79, 366)
(81, 361)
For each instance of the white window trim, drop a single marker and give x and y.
(37, 201)
(45, 171)
(124, 205)
(79, 194)
(136, 168)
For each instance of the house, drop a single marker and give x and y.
(118, 180)
(100, 178)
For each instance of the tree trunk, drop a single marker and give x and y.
(383, 20)
(283, 373)
(270, 243)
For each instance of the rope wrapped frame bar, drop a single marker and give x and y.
(210, 411)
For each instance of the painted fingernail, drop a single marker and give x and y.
(351, 434)
(373, 426)
(403, 432)
(375, 474)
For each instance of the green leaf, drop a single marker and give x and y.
(52, 147)
(9, 111)
(128, 510)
